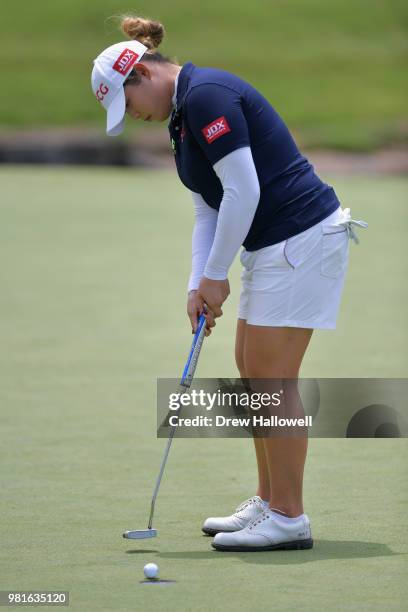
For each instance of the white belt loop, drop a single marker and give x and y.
(346, 220)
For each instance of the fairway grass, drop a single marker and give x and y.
(92, 310)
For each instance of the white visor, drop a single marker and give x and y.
(110, 70)
(115, 121)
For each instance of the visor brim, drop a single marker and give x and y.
(115, 121)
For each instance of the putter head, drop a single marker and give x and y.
(140, 534)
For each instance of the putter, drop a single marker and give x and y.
(185, 383)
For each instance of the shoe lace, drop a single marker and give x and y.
(259, 519)
(247, 502)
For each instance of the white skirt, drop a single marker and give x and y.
(299, 282)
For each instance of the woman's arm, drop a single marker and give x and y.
(202, 239)
(228, 149)
(203, 236)
(239, 180)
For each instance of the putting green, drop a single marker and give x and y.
(94, 271)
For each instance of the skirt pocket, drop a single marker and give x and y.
(334, 253)
(299, 249)
(269, 257)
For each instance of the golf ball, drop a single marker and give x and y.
(151, 570)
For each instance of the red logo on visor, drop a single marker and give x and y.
(216, 129)
(101, 92)
(125, 61)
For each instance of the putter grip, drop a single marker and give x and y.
(191, 364)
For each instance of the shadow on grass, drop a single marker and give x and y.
(140, 550)
(323, 550)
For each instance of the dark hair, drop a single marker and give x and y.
(134, 77)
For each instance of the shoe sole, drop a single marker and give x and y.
(210, 532)
(213, 532)
(296, 545)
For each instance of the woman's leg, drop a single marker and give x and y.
(263, 472)
(277, 352)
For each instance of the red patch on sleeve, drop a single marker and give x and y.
(215, 129)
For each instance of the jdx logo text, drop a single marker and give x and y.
(214, 130)
(125, 61)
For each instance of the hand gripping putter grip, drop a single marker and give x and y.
(185, 383)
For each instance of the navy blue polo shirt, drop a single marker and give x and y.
(217, 113)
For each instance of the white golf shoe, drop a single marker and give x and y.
(267, 532)
(244, 514)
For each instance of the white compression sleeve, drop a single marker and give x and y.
(203, 236)
(239, 180)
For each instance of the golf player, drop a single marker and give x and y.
(250, 187)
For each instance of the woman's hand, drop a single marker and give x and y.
(195, 306)
(213, 293)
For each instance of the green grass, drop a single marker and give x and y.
(335, 71)
(92, 310)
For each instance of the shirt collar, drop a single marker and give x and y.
(174, 98)
(181, 84)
